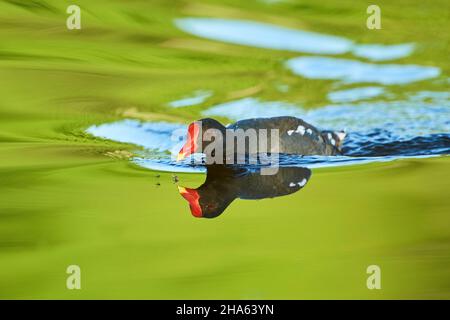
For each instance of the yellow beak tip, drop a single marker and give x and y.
(181, 189)
(180, 156)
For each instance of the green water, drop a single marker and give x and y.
(64, 200)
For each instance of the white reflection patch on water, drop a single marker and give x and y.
(270, 36)
(378, 52)
(355, 94)
(352, 71)
(263, 35)
(198, 97)
(157, 136)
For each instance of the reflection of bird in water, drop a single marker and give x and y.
(225, 183)
(295, 136)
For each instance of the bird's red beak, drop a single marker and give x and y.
(192, 196)
(190, 146)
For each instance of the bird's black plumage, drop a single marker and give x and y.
(291, 136)
(296, 136)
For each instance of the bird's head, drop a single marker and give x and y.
(198, 135)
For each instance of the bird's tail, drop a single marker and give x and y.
(340, 136)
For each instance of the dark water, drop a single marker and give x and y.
(382, 143)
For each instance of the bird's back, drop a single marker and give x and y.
(295, 135)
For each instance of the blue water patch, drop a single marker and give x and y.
(355, 94)
(198, 97)
(406, 118)
(263, 35)
(377, 52)
(251, 108)
(352, 71)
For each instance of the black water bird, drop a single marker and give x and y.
(223, 184)
(295, 136)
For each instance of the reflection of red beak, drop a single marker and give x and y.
(190, 146)
(192, 196)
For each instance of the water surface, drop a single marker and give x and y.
(65, 201)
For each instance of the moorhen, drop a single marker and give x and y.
(295, 136)
(223, 184)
